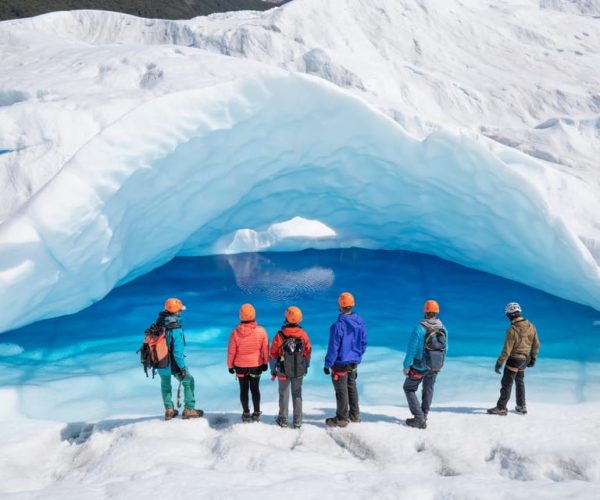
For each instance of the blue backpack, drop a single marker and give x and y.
(435, 347)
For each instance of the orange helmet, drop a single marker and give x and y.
(431, 306)
(247, 312)
(346, 299)
(173, 305)
(293, 315)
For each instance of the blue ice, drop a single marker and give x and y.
(97, 346)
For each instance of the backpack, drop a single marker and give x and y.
(435, 348)
(154, 352)
(292, 362)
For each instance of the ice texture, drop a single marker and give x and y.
(129, 141)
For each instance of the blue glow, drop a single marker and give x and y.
(389, 286)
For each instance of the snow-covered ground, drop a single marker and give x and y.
(553, 453)
(468, 130)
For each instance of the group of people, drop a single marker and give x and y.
(289, 357)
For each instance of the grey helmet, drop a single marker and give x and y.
(512, 308)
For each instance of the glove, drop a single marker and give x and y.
(531, 362)
(326, 371)
(232, 371)
(498, 366)
(406, 371)
(264, 367)
(183, 374)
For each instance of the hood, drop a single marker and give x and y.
(169, 320)
(353, 320)
(245, 329)
(292, 331)
(521, 325)
(431, 323)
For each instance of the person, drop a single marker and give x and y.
(520, 350)
(347, 345)
(247, 357)
(171, 319)
(415, 366)
(289, 362)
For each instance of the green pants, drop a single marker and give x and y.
(188, 391)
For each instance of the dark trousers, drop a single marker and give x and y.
(411, 384)
(507, 382)
(249, 383)
(346, 395)
(295, 384)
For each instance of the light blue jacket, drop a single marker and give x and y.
(415, 351)
(175, 341)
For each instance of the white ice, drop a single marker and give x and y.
(464, 130)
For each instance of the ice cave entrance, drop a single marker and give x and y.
(389, 286)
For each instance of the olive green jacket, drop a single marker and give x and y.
(521, 341)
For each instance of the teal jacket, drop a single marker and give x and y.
(175, 341)
(415, 351)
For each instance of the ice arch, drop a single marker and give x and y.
(177, 173)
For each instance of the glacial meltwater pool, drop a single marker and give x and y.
(53, 364)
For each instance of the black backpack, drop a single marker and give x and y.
(292, 363)
(435, 347)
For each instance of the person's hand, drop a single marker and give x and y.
(264, 367)
(326, 371)
(273, 373)
(183, 374)
(531, 362)
(232, 371)
(497, 367)
(406, 371)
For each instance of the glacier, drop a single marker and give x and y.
(133, 141)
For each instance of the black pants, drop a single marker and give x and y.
(346, 395)
(507, 381)
(251, 383)
(411, 384)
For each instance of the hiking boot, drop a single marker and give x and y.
(170, 413)
(281, 422)
(497, 411)
(522, 410)
(355, 418)
(297, 425)
(417, 424)
(335, 422)
(246, 417)
(191, 413)
(256, 416)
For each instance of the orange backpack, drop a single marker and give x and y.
(154, 352)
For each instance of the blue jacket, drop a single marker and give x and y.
(415, 351)
(175, 341)
(347, 340)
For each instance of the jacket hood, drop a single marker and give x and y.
(520, 324)
(352, 319)
(431, 323)
(292, 331)
(245, 329)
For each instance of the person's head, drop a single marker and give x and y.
(512, 310)
(346, 302)
(431, 309)
(247, 313)
(293, 315)
(174, 306)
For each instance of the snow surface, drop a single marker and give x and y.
(128, 141)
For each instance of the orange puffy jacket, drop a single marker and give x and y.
(248, 346)
(290, 331)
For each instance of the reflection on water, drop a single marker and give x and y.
(258, 275)
(390, 288)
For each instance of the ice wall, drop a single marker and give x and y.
(123, 147)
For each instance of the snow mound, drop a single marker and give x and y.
(144, 139)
